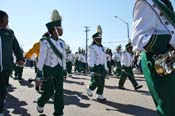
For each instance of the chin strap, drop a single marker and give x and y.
(57, 32)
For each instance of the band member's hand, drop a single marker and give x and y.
(65, 77)
(39, 74)
(38, 83)
(20, 63)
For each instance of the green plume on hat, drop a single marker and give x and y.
(55, 15)
(99, 29)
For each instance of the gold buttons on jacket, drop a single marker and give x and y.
(154, 6)
(161, 14)
(166, 23)
(172, 32)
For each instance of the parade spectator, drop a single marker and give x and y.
(8, 46)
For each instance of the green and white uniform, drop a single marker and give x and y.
(153, 32)
(98, 64)
(117, 61)
(53, 68)
(126, 70)
(82, 61)
(69, 61)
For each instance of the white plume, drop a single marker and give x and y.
(55, 15)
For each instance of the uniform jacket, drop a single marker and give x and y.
(82, 58)
(126, 59)
(152, 27)
(117, 56)
(108, 57)
(70, 57)
(48, 57)
(97, 56)
(9, 45)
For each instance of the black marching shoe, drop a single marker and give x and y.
(123, 88)
(138, 87)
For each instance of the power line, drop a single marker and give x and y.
(116, 41)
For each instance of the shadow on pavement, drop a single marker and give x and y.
(73, 82)
(16, 105)
(26, 83)
(42, 115)
(82, 78)
(110, 87)
(139, 91)
(129, 109)
(144, 92)
(11, 88)
(74, 98)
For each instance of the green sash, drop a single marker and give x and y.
(150, 83)
(55, 50)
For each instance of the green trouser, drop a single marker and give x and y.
(69, 67)
(76, 63)
(98, 81)
(118, 68)
(18, 72)
(53, 86)
(109, 66)
(83, 67)
(4, 82)
(127, 72)
(161, 87)
(35, 67)
(78, 66)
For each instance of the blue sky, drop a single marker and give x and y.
(28, 18)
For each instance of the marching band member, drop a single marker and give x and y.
(52, 62)
(98, 65)
(126, 68)
(117, 60)
(154, 34)
(69, 61)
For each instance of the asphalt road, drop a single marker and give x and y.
(21, 98)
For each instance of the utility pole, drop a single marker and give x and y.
(87, 30)
(127, 24)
